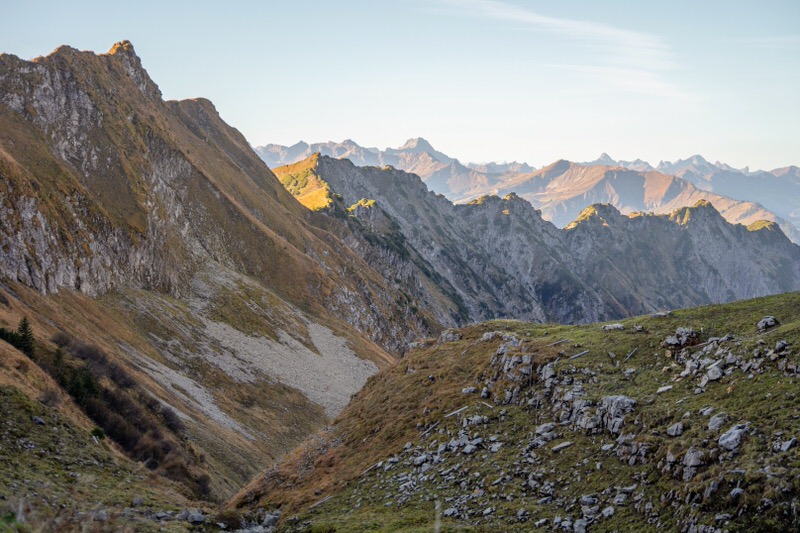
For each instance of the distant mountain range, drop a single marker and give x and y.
(562, 189)
(777, 190)
(441, 173)
(497, 257)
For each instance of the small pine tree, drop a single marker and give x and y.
(27, 342)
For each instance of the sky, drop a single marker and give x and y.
(482, 80)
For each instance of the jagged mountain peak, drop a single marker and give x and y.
(605, 159)
(123, 47)
(417, 144)
(602, 213)
(121, 53)
(702, 210)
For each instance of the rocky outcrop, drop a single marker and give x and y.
(106, 185)
(502, 259)
(567, 436)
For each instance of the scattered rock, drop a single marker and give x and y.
(196, 517)
(449, 335)
(271, 519)
(608, 512)
(766, 323)
(681, 338)
(781, 345)
(731, 439)
(664, 389)
(715, 424)
(545, 428)
(714, 373)
(469, 390)
(693, 459)
(38, 421)
(613, 327)
(561, 446)
(788, 445)
(675, 430)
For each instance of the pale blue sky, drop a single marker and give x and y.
(480, 79)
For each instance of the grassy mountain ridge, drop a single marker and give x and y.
(151, 231)
(604, 425)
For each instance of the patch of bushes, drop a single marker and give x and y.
(122, 410)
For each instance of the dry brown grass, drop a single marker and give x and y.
(389, 411)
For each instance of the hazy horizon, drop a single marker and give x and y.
(482, 80)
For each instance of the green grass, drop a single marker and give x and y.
(396, 406)
(55, 471)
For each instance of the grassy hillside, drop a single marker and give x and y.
(165, 269)
(57, 470)
(604, 427)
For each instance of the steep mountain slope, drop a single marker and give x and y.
(777, 190)
(501, 259)
(151, 232)
(438, 231)
(563, 189)
(658, 423)
(55, 473)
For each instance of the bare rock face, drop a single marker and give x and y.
(499, 257)
(106, 185)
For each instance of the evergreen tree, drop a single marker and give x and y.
(27, 342)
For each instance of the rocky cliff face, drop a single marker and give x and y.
(106, 184)
(504, 260)
(151, 229)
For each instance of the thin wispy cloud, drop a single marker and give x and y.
(626, 60)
